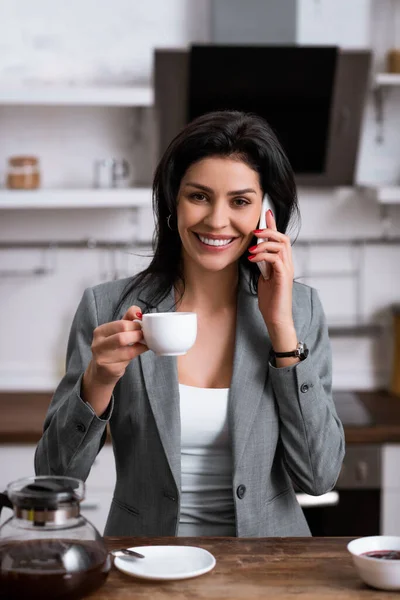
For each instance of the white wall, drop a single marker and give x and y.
(93, 41)
(79, 42)
(339, 22)
(103, 42)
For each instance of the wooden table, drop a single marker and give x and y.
(250, 569)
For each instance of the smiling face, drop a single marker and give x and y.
(219, 205)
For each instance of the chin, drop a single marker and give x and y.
(216, 267)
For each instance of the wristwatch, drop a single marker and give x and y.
(300, 352)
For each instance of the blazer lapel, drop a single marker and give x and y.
(160, 373)
(160, 376)
(252, 348)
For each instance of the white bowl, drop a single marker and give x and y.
(378, 573)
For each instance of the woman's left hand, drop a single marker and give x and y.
(275, 293)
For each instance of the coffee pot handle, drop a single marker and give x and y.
(5, 501)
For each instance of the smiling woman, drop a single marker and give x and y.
(209, 442)
(258, 166)
(218, 207)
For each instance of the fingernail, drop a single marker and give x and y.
(252, 248)
(252, 257)
(139, 315)
(257, 230)
(270, 212)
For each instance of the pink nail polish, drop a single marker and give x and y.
(270, 212)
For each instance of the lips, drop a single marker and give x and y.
(213, 242)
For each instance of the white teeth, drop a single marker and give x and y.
(214, 242)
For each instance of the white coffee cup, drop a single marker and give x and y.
(169, 333)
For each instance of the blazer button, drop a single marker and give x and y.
(241, 491)
(304, 388)
(81, 427)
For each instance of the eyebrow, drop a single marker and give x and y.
(210, 191)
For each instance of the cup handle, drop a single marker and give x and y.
(141, 327)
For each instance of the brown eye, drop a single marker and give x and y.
(241, 202)
(198, 196)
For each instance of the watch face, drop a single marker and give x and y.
(303, 351)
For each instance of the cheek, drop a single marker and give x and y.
(249, 222)
(182, 216)
(186, 219)
(188, 215)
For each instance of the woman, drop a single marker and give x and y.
(209, 443)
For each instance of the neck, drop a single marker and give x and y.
(208, 291)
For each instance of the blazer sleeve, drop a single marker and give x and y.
(73, 434)
(310, 430)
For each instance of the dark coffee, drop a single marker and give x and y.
(51, 569)
(383, 554)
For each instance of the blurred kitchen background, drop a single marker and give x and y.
(91, 91)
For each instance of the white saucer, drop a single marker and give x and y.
(164, 563)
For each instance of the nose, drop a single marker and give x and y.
(218, 216)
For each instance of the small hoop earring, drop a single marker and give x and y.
(169, 222)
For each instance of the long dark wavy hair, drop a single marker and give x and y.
(221, 133)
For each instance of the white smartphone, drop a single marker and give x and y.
(264, 267)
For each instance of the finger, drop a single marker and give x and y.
(267, 247)
(126, 354)
(140, 348)
(271, 233)
(133, 312)
(109, 329)
(276, 247)
(273, 259)
(118, 340)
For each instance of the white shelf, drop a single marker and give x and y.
(86, 198)
(387, 79)
(46, 95)
(388, 194)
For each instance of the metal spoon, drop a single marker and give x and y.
(126, 552)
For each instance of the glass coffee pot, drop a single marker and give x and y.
(47, 549)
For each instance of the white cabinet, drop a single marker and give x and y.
(390, 514)
(99, 488)
(17, 461)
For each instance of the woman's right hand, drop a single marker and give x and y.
(114, 345)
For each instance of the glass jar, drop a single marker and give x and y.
(23, 173)
(395, 378)
(47, 549)
(393, 60)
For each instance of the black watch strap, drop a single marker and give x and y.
(300, 352)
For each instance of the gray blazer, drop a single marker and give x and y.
(283, 424)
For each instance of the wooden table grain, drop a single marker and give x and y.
(251, 569)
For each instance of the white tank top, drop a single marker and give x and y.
(207, 506)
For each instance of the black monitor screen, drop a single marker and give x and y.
(291, 87)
